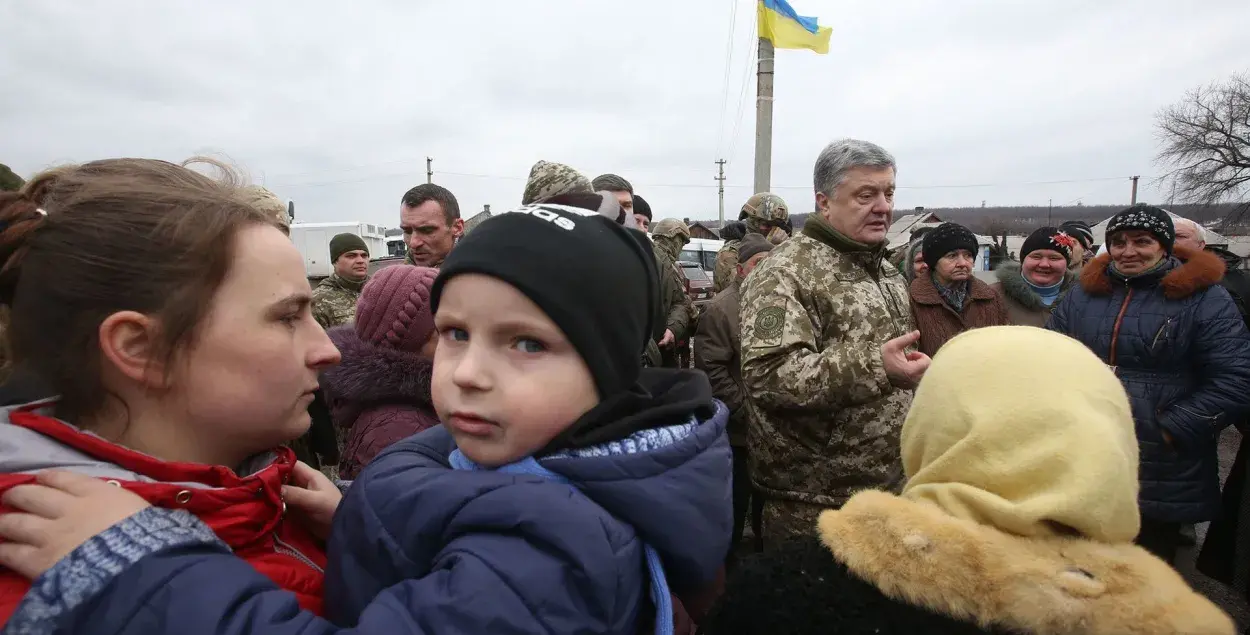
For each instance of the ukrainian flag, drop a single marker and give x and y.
(786, 29)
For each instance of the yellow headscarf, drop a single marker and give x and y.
(1024, 430)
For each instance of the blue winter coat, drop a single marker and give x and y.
(420, 548)
(1177, 342)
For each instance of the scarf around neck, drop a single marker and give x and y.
(956, 295)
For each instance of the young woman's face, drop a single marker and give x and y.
(248, 378)
(506, 379)
(1134, 251)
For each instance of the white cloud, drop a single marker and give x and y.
(336, 105)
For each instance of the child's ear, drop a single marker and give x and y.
(127, 342)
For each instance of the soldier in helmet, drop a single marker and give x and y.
(669, 236)
(765, 214)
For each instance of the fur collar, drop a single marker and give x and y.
(924, 291)
(1011, 278)
(370, 374)
(1197, 271)
(915, 553)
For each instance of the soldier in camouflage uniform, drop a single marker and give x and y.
(669, 236)
(334, 299)
(765, 214)
(825, 327)
(548, 180)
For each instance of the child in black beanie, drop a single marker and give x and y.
(564, 476)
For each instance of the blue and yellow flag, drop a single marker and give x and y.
(786, 29)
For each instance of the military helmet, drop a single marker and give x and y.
(765, 207)
(671, 227)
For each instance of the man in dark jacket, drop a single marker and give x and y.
(717, 345)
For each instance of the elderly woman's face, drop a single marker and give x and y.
(1134, 251)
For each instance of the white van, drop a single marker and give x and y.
(313, 242)
(702, 251)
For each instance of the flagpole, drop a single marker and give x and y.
(764, 118)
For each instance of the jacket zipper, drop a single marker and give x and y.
(1160, 333)
(281, 546)
(1115, 332)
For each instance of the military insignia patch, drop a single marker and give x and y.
(769, 322)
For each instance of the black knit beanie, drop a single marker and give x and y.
(1051, 238)
(344, 243)
(1080, 230)
(1147, 218)
(591, 276)
(642, 207)
(946, 238)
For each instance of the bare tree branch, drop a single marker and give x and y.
(1205, 143)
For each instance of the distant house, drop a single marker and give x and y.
(699, 229)
(1239, 245)
(900, 232)
(477, 219)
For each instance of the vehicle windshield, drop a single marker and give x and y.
(693, 271)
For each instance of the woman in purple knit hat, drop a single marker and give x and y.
(380, 392)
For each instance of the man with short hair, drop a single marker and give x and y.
(430, 217)
(949, 300)
(1189, 235)
(827, 348)
(717, 352)
(619, 187)
(334, 299)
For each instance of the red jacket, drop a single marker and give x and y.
(245, 512)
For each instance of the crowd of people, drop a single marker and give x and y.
(500, 435)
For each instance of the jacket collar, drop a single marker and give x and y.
(914, 552)
(868, 256)
(924, 291)
(1014, 286)
(1195, 272)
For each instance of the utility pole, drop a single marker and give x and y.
(721, 190)
(1134, 199)
(429, 170)
(764, 118)
(1050, 211)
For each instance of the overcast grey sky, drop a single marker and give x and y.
(336, 104)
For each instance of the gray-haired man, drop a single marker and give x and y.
(826, 348)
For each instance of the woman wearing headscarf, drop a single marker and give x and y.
(1018, 516)
(1174, 338)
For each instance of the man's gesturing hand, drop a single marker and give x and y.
(903, 368)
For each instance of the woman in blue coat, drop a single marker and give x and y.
(1176, 341)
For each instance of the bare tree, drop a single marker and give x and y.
(1205, 142)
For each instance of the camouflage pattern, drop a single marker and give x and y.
(268, 203)
(611, 183)
(726, 268)
(672, 228)
(674, 302)
(785, 519)
(764, 207)
(824, 418)
(553, 179)
(334, 301)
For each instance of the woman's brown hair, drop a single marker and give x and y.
(82, 242)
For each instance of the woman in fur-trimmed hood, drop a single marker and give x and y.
(1018, 516)
(1155, 313)
(380, 392)
(1033, 287)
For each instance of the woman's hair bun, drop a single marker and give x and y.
(20, 216)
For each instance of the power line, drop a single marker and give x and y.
(752, 58)
(729, 57)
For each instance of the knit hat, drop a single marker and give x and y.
(605, 303)
(1147, 218)
(344, 243)
(549, 179)
(1080, 230)
(751, 245)
(946, 238)
(989, 439)
(611, 183)
(642, 207)
(1051, 238)
(394, 309)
